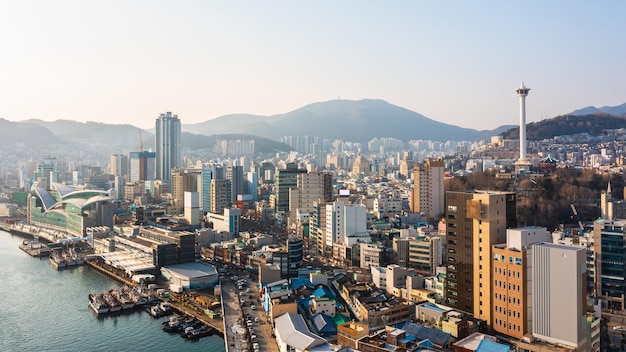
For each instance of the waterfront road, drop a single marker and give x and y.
(236, 333)
(236, 317)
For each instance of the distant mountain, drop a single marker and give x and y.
(352, 120)
(619, 110)
(27, 134)
(121, 137)
(593, 124)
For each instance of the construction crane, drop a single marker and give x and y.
(140, 142)
(577, 218)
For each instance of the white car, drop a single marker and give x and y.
(253, 307)
(619, 328)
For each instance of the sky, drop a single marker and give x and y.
(120, 61)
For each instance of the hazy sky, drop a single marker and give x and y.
(455, 62)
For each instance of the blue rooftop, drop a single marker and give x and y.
(323, 292)
(486, 345)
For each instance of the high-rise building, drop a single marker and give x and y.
(219, 195)
(168, 145)
(142, 166)
(475, 221)
(118, 165)
(235, 175)
(286, 179)
(311, 187)
(425, 253)
(317, 227)
(609, 239)
(428, 194)
(511, 274)
(251, 185)
(206, 175)
(361, 166)
(559, 295)
(183, 180)
(346, 223)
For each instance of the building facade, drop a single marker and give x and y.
(475, 221)
(168, 145)
(428, 193)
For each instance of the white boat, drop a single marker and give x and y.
(97, 305)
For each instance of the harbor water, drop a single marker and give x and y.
(42, 309)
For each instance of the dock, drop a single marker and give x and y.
(94, 264)
(185, 309)
(177, 305)
(35, 249)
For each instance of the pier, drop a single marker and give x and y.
(175, 303)
(94, 264)
(182, 308)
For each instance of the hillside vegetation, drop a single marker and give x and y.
(593, 124)
(547, 203)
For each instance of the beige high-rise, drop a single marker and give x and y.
(428, 193)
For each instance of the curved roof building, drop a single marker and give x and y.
(68, 209)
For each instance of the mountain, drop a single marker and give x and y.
(592, 124)
(122, 137)
(359, 121)
(31, 135)
(619, 110)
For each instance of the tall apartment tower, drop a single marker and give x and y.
(311, 187)
(168, 145)
(559, 287)
(475, 221)
(142, 166)
(219, 195)
(118, 165)
(511, 294)
(346, 223)
(428, 194)
(183, 180)
(286, 179)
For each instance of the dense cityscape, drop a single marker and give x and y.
(338, 246)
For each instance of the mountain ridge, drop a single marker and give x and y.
(354, 120)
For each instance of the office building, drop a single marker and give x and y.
(182, 180)
(425, 254)
(475, 221)
(559, 307)
(219, 195)
(286, 179)
(192, 208)
(235, 175)
(206, 175)
(142, 166)
(118, 165)
(610, 272)
(428, 193)
(346, 223)
(311, 187)
(168, 145)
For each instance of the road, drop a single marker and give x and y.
(236, 316)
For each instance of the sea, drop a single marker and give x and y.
(42, 309)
